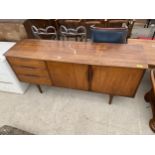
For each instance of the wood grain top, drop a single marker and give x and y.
(149, 49)
(102, 54)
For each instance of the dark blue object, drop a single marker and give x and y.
(109, 35)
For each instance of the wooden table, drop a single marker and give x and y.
(115, 69)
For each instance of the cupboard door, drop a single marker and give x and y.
(116, 81)
(69, 75)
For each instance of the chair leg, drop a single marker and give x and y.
(147, 96)
(39, 88)
(152, 124)
(153, 36)
(152, 121)
(81, 38)
(110, 98)
(76, 38)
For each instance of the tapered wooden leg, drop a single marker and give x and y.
(39, 88)
(153, 36)
(110, 98)
(147, 97)
(152, 124)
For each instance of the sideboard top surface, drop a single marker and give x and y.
(102, 54)
(149, 49)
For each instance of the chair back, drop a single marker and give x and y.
(44, 33)
(109, 35)
(79, 31)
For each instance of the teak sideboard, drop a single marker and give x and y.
(115, 69)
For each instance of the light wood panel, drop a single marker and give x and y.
(116, 81)
(69, 75)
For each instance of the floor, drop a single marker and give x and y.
(66, 111)
(139, 30)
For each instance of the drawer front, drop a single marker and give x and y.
(34, 79)
(26, 62)
(30, 71)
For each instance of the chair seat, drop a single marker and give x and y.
(109, 35)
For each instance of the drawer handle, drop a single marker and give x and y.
(22, 66)
(30, 75)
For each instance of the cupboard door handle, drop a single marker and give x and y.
(90, 73)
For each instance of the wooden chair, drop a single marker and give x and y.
(93, 22)
(43, 23)
(150, 97)
(117, 22)
(129, 23)
(109, 35)
(69, 23)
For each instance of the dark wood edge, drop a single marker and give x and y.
(139, 83)
(152, 76)
(89, 76)
(31, 75)
(28, 67)
(49, 74)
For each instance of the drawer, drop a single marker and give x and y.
(30, 71)
(34, 79)
(26, 62)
